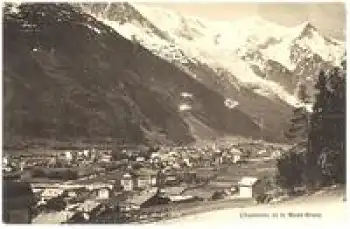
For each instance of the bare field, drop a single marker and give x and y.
(324, 204)
(233, 173)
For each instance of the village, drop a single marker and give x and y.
(137, 185)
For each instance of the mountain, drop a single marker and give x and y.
(240, 60)
(125, 73)
(71, 78)
(234, 46)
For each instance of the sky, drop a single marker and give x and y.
(329, 18)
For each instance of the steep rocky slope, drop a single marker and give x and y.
(68, 77)
(256, 71)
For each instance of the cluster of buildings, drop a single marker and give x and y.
(168, 157)
(25, 203)
(125, 185)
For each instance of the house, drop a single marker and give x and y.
(18, 200)
(8, 168)
(124, 161)
(98, 185)
(190, 177)
(88, 206)
(5, 161)
(140, 159)
(214, 147)
(154, 154)
(155, 159)
(127, 182)
(236, 155)
(145, 177)
(86, 153)
(236, 158)
(106, 158)
(22, 165)
(77, 193)
(154, 180)
(87, 211)
(53, 217)
(187, 162)
(52, 162)
(92, 188)
(182, 199)
(104, 193)
(206, 160)
(218, 159)
(68, 156)
(144, 200)
(171, 191)
(173, 154)
(80, 154)
(170, 178)
(50, 193)
(174, 194)
(195, 159)
(276, 154)
(250, 187)
(265, 153)
(222, 185)
(199, 194)
(262, 152)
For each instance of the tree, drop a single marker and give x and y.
(56, 204)
(317, 132)
(334, 126)
(297, 130)
(326, 158)
(321, 161)
(290, 168)
(298, 127)
(302, 93)
(218, 195)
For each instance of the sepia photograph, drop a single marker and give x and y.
(170, 113)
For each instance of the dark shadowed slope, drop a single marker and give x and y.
(67, 77)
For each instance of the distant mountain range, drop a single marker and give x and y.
(128, 73)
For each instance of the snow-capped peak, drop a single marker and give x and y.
(306, 27)
(303, 30)
(236, 46)
(308, 38)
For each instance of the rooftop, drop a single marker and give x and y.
(52, 192)
(53, 217)
(172, 191)
(248, 181)
(114, 200)
(88, 205)
(199, 192)
(143, 197)
(179, 198)
(220, 184)
(235, 151)
(146, 171)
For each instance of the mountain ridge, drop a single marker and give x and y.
(136, 82)
(248, 68)
(69, 77)
(192, 53)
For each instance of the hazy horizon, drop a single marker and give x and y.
(329, 18)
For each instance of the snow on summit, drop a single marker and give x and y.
(236, 46)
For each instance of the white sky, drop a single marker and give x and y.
(328, 17)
